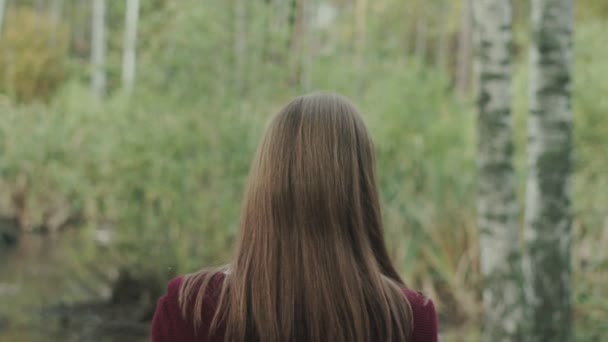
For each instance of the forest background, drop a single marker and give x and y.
(134, 129)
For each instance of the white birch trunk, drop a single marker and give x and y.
(2, 12)
(56, 12)
(497, 203)
(98, 48)
(39, 5)
(547, 230)
(130, 45)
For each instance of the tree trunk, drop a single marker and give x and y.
(548, 209)
(39, 5)
(98, 48)
(463, 73)
(130, 45)
(2, 12)
(497, 203)
(56, 12)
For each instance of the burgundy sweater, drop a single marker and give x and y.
(168, 324)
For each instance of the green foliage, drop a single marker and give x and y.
(164, 169)
(590, 187)
(592, 9)
(32, 55)
(170, 180)
(167, 182)
(176, 56)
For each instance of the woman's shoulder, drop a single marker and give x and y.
(195, 281)
(172, 321)
(168, 322)
(173, 287)
(186, 288)
(424, 316)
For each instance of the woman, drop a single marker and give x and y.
(311, 263)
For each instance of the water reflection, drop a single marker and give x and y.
(49, 290)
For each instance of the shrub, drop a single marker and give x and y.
(32, 55)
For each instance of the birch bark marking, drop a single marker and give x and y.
(548, 209)
(98, 48)
(130, 45)
(497, 204)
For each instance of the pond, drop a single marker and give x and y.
(50, 290)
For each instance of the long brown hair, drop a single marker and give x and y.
(311, 262)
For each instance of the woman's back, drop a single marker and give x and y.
(311, 262)
(170, 323)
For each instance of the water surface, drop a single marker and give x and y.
(48, 287)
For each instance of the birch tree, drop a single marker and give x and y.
(548, 209)
(497, 204)
(130, 45)
(39, 5)
(56, 12)
(2, 11)
(98, 48)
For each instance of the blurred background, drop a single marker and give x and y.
(127, 128)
